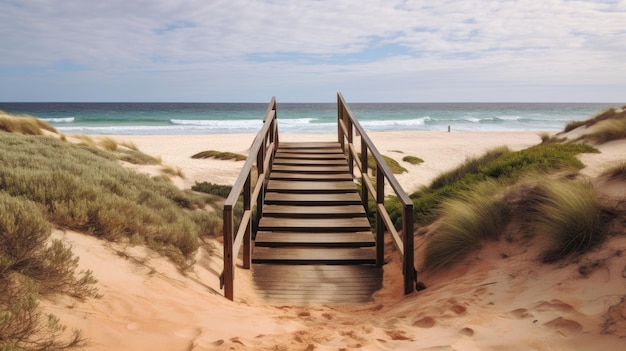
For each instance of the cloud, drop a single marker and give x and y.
(224, 45)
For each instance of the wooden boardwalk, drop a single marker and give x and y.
(313, 243)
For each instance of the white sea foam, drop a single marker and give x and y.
(58, 120)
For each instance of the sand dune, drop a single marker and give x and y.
(500, 298)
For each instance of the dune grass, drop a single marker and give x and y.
(604, 127)
(611, 113)
(498, 164)
(220, 155)
(617, 171)
(23, 124)
(467, 220)
(569, 213)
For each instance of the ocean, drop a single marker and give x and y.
(316, 118)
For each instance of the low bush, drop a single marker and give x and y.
(30, 267)
(80, 189)
(414, 160)
(213, 189)
(220, 155)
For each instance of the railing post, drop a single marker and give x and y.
(229, 269)
(247, 205)
(364, 178)
(340, 111)
(409, 264)
(380, 224)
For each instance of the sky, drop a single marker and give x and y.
(308, 50)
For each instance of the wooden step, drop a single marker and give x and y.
(281, 239)
(313, 211)
(320, 177)
(309, 145)
(287, 186)
(314, 255)
(312, 169)
(322, 225)
(309, 156)
(308, 162)
(316, 284)
(272, 198)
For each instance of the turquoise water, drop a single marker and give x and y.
(218, 118)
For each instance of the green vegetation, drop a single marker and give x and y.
(499, 164)
(570, 215)
(414, 160)
(467, 221)
(220, 155)
(213, 189)
(80, 189)
(604, 127)
(24, 124)
(616, 172)
(393, 165)
(30, 267)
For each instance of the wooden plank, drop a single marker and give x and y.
(314, 224)
(301, 162)
(311, 169)
(309, 156)
(308, 145)
(320, 177)
(314, 255)
(311, 186)
(277, 239)
(273, 198)
(317, 270)
(313, 211)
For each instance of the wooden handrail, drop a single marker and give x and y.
(261, 155)
(348, 125)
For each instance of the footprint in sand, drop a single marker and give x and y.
(565, 327)
(554, 305)
(467, 331)
(520, 313)
(426, 322)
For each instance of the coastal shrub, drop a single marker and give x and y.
(498, 164)
(569, 213)
(393, 165)
(467, 221)
(29, 267)
(23, 124)
(220, 155)
(213, 189)
(79, 189)
(414, 160)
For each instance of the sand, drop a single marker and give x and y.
(501, 298)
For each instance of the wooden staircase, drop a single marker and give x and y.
(313, 216)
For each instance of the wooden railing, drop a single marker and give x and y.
(347, 127)
(260, 156)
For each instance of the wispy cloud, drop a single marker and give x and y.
(408, 50)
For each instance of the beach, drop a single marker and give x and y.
(501, 297)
